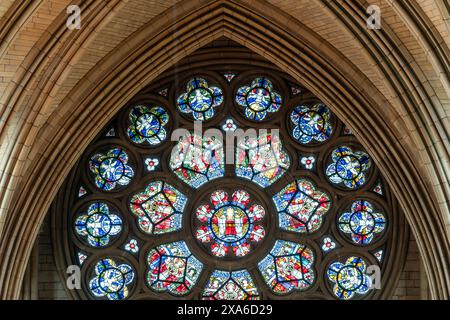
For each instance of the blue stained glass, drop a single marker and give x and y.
(348, 167)
(147, 124)
(258, 99)
(362, 223)
(98, 225)
(311, 123)
(349, 278)
(200, 100)
(111, 169)
(111, 280)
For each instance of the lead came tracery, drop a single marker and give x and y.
(299, 214)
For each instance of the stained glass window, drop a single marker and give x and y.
(236, 285)
(349, 278)
(301, 207)
(199, 99)
(362, 223)
(111, 280)
(111, 169)
(291, 207)
(98, 225)
(159, 208)
(173, 268)
(289, 266)
(258, 99)
(261, 159)
(197, 160)
(147, 124)
(230, 224)
(311, 123)
(348, 167)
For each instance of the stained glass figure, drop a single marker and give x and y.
(147, 124)
(98, 225)
(311, 123)
(349, 278)
(230, 223)
(301, 207)
(348, 167)
(111, 280)
(261, 159)
(159, 208)
(362, 223)
(225, 285)
(200, 99)
(197, 161)
(288, 267)
(111, 169)
(259, 99)
(173, 268)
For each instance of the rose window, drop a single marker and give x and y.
(267, 195)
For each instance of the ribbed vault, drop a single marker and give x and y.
(398, 109)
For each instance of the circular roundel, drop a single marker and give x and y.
(229, 224)
(300, 212)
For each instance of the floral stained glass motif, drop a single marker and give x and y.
(261, 159)
(348, 167)
(111, 280)
(132, 246)
(229, 126)
(362, 223)
(158, 208)
(200, 99)
(98, 225)
(197, 161)
(236, 285)
(301, 207)
(288, 267)
(349, 278)
(328, 244)
(311, 123)
(173, 268)
(111, 169)
(259, 99)
(151, 163)
(147, 124)
(230, 223)
(308, 162)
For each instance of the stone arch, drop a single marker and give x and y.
(47, 141)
